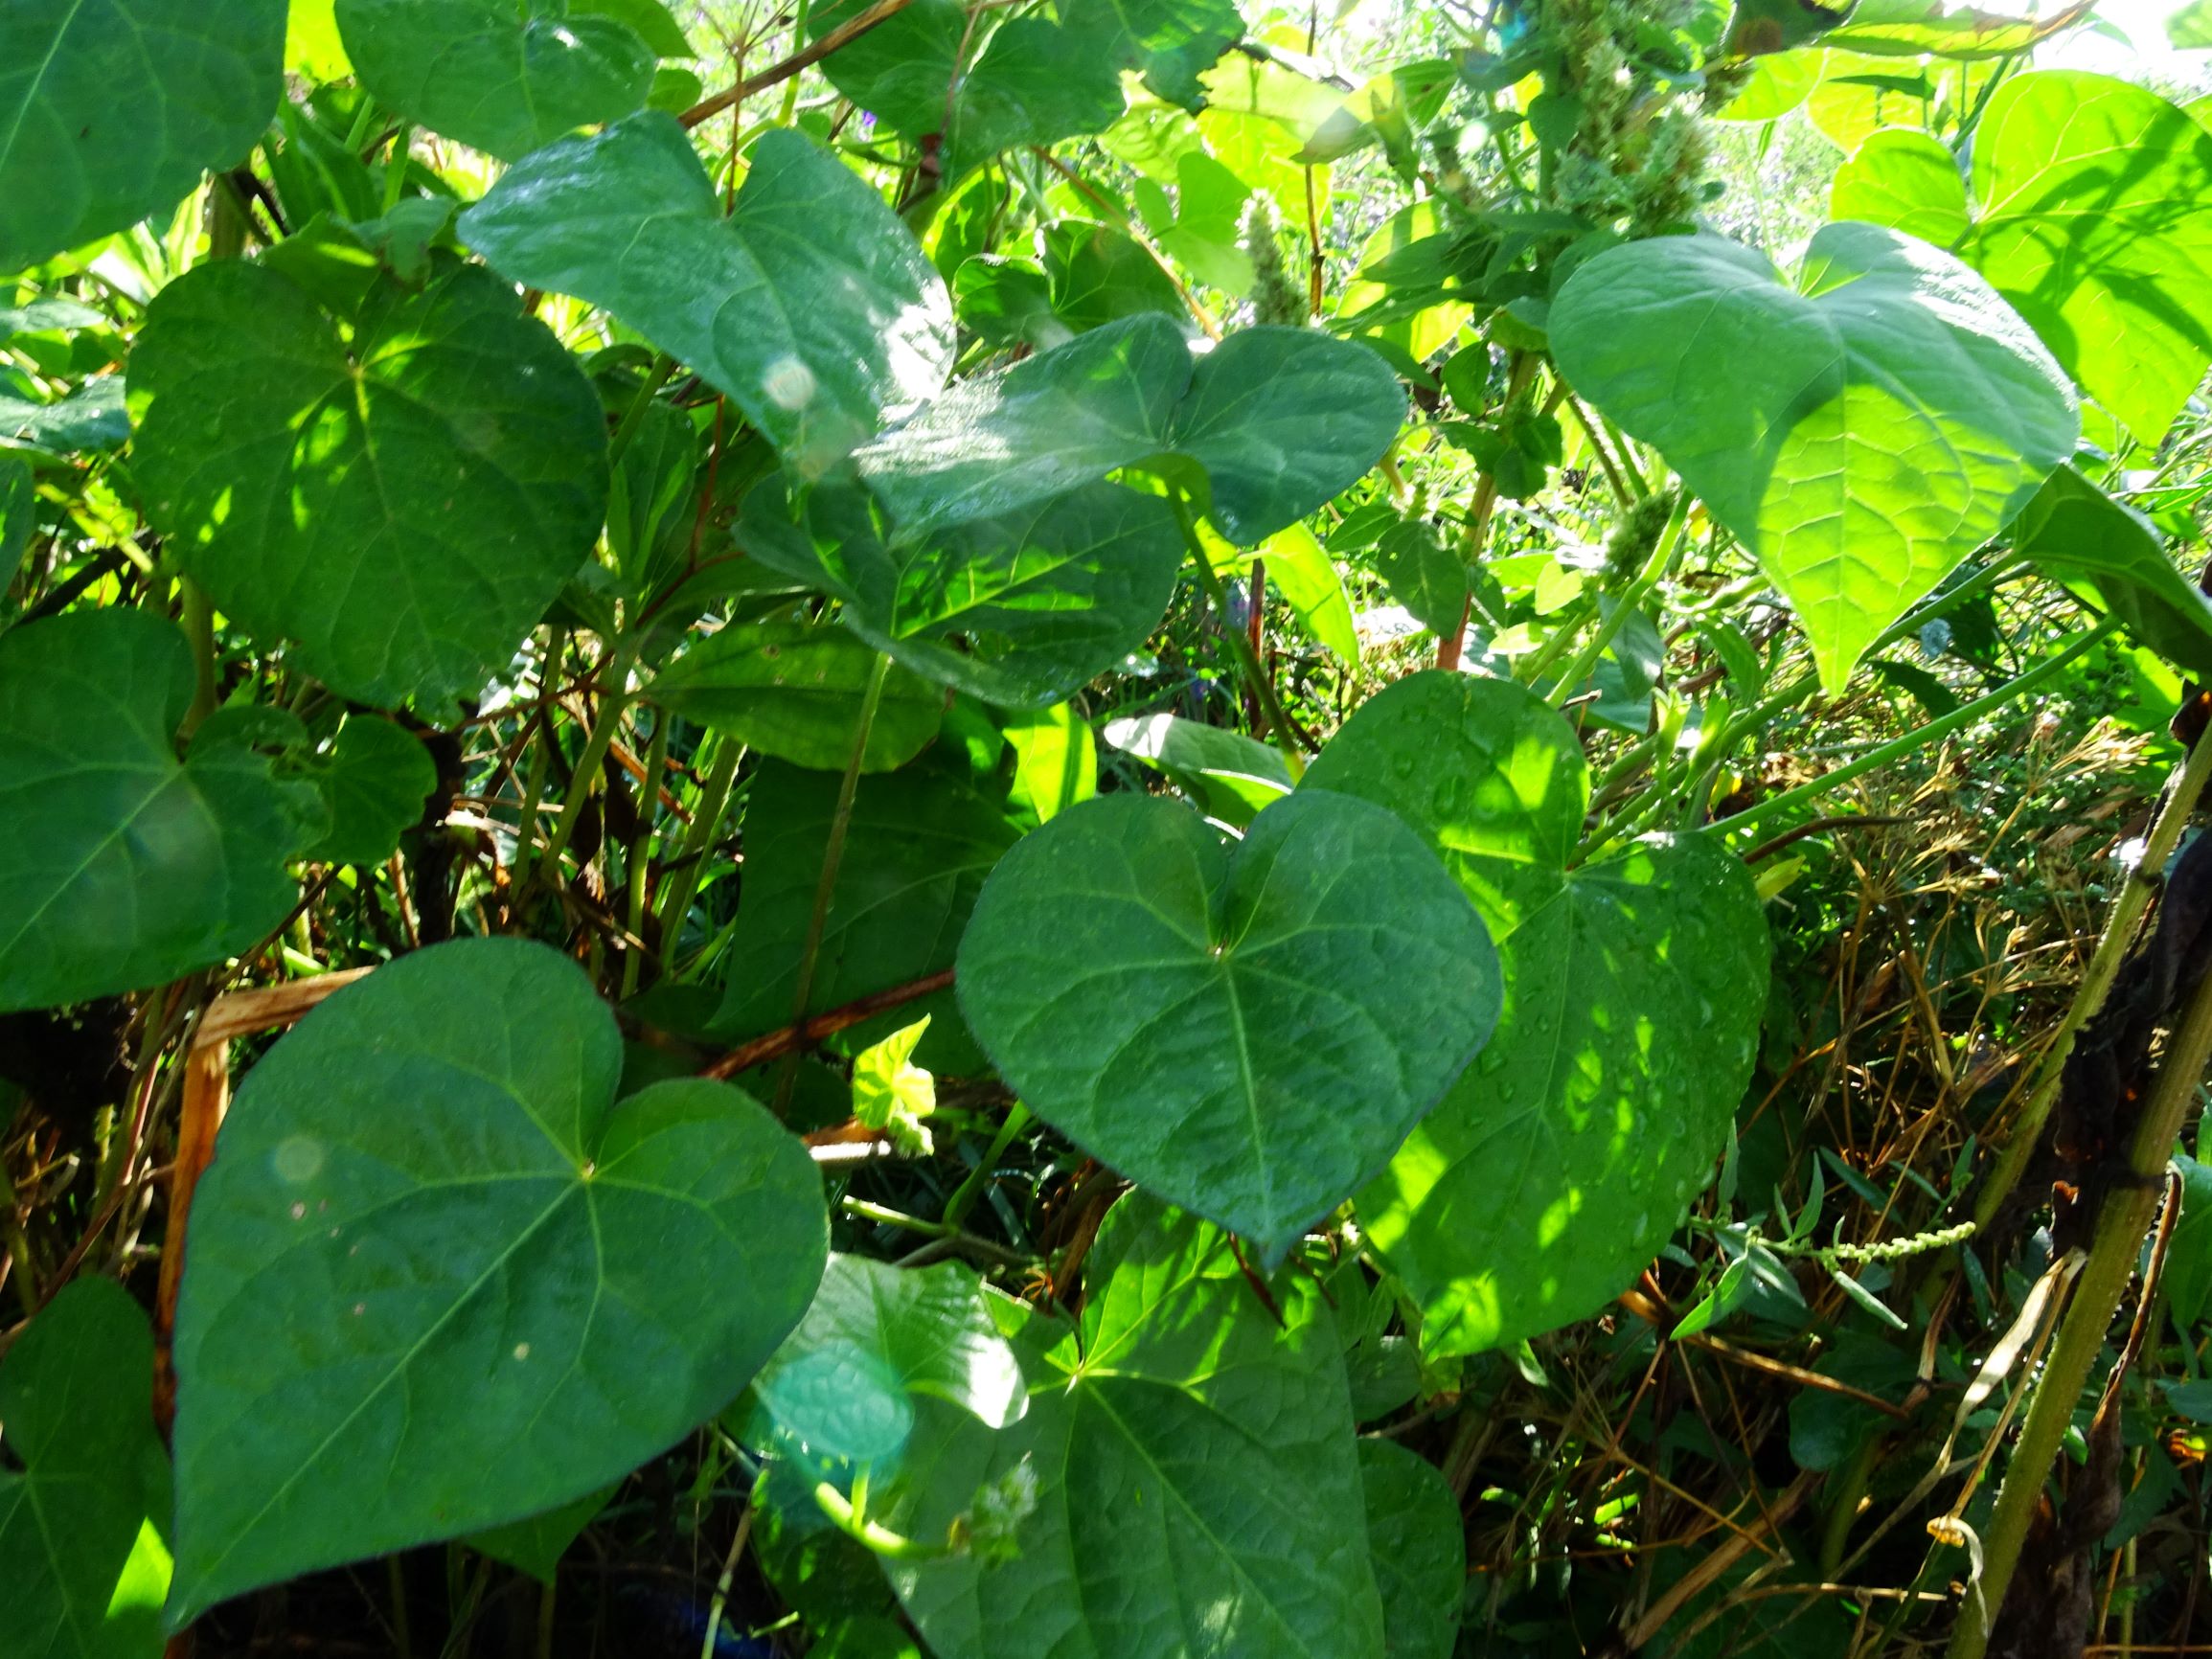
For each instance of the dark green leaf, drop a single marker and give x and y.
(113, 108)
(1248, 1033)
(1019, 610)
(1561, 1161)
(794, 689)
(1007, 302)
(1419, 1550)
(374, 780)
(90, 417)
(1861, 432)
(2189, 1258)
(1100, 274)
(123, 868)
(403, 503)
(500, 76)
(85, 1501)
(448, 1285)
(1424, 575)
(811, 305)
(2073, 531)
(536, 1544)
(916, 853)
(1184, 1485)
(18, 514)
(1230, 776)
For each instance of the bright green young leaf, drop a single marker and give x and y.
(811, 305)
(123, 868)
(1564, 1155)
(2095, 219)
(1170, 42)
(1862, 431)
(374, 780)
(845, 1382)
(2073, 531)
(1183, 1485)
(891, 1094)
(1249, 1033)
(84, 1490)
(1018, 610)
(794, 689)
(1936, 28)
(1907, 180)
(498, 76)
(403, 504)
(1279, 420)
(111, 109)
(1304, 578)
(2189, 1258)
(2190, 29)
(1418, 1544)
(1054, 760)
(449, 1284)
(915, 853)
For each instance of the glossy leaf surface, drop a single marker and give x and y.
(811, 305)
(450, 1284)
(1419, 1550)
(2075, 532)
(1562, 1159)
(1278, 420)
(1249, 1033)
(1874, 424)
(403, 504)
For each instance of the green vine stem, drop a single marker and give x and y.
(706, 824)
(1254, 676)
(641, 845)
(1919, 736)
(1655, 570)
(833, 856)
(2097, 978)
(2125, 1218)
(613, 703)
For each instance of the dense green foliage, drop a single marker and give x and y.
(1209, 665)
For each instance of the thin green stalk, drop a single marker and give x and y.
(2097, 977)
(706, 825)
(2113, 1251)
(540, 762)
(198, 620)
(833, 856)
(663, 366)
(1921, 736)
(18, 1245)
(1655, 570)
(964, 1196)
(613, 703)
(396, 166)
(1262, 690)
(641, 845)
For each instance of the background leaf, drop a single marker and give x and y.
(124, 867)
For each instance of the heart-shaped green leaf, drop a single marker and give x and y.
(795, 690)
(84, 1497)
(1279, 420)
(1183, 1485)
(500, 76)
(1044, 599)
(811, 305)
(2073, 531)
(124, 866)
(1248, 1033)
(404, 503)
(439, 1281)
(111, 109)
(1861, 432)
(1907, 180)
(375, 778)
(1563, 1158)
